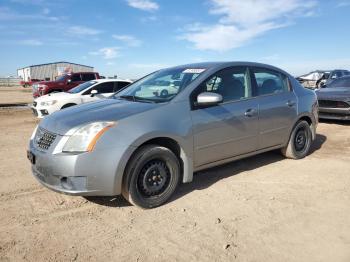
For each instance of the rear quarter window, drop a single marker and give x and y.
(88, 77)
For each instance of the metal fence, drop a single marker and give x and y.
(4, 81)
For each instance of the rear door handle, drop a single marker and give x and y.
(290, 103)
(250, 112)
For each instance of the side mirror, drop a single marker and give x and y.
(209, 99)
(69, 81)
(93, 92)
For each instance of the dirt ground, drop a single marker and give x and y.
(264, 208)
(15, 95)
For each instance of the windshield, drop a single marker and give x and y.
(81, 87)
(61, 78)
(340, 82)
(160, 86)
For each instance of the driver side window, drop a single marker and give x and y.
(232, 83)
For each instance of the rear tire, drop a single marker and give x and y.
(299, 142)
(151, 176)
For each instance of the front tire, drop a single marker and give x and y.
(151, 176)
(299, 142)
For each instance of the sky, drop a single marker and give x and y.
(131, 38)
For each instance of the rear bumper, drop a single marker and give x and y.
(334, 113)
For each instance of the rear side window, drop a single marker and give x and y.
(88, 77)
(269, 82)
(105, 88)
(120, 85)
(75, 78)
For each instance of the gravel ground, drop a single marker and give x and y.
(15, 95)
(264, 208)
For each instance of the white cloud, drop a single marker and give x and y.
(46, 11)
(145, 5)
(273, 57)
(343, 3)
(7, 14)
(31, 42)
(242, 21)
(128, 39)
(153, 66)
(107, 52)
(299, 66)
(83, 31)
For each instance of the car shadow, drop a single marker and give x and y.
(317, 144)
(206, 178)
(109, 201)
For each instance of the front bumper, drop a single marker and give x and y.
(41, 112)
(97, 173)
(334, 113)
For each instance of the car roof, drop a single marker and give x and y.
(111, 80)
(222, 64)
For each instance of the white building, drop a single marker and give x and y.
(50, 71)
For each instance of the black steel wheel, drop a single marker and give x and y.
(299, 142)
(151, 176)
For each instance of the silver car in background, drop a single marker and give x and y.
(146, 139)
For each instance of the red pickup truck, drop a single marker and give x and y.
(29, 82)
(63, 83)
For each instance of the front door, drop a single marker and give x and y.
(104, 90)
(230, 128)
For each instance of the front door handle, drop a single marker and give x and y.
(250, 112)
(290, 103)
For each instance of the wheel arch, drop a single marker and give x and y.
(174, 145)
(68, 105)
(309, 119)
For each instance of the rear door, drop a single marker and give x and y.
(88, 76)
(277, 106)
(230, 128)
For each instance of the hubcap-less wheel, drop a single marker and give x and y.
(164, 93)
(153, 178)
(300, 141)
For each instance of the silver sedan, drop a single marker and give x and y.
(142, 143)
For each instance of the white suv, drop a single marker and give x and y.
(83, 93)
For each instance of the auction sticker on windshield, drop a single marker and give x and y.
(193, 70)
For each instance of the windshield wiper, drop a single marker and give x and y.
(128, 97)
(137, 99)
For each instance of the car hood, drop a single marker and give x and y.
(62, 121)
(53, 96)
(339, 93)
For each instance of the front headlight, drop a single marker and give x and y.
(85, 138)
(48, 103)
(41, 86)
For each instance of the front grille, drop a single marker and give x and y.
(333, 104)
(43, 139)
